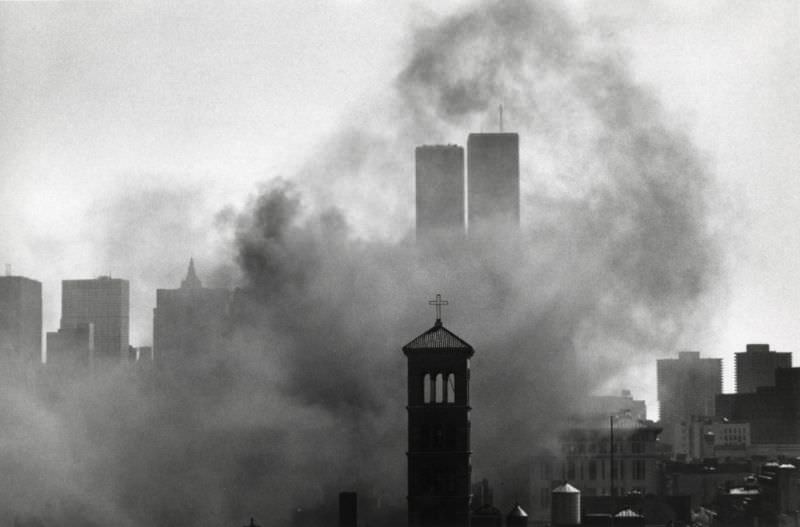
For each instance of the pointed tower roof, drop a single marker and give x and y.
(191, 281)
(438, 338)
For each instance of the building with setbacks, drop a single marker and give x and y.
(756, 367)
(772, 411)
(20, 319)
(439, 468)
(189, 320)
(439, 178)
(104, 303)
(493, 181)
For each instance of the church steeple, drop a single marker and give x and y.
(191, 281)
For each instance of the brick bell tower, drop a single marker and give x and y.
(439, 469)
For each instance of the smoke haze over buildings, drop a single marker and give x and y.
(612, 265)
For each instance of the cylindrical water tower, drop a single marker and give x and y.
(517, 517)
(566, 506)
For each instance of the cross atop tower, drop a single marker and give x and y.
(438, 303)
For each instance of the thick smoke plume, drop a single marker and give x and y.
(611, 266)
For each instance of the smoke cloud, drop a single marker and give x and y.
(612, 266)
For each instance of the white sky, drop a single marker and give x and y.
(101, 100)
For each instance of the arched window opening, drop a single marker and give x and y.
(426, 388)
(451, 388)
(439, 388)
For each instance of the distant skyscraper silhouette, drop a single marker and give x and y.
(756, 367)
(71, 348)
(493, 180)
(440, 190)
(20, 318)
(439, 470)
(103, 302)
(687, 386)
(188, 320)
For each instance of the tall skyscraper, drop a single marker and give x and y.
(71, 348)
(439, 190)
(687, 386)
(493, 180)
(756, 367)
(439, 469)
(190, 319)
(20, 318)
(104, 303)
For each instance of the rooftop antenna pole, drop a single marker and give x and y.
(501, 118)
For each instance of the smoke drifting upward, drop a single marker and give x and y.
(612, 265)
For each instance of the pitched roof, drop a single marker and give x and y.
(438, 337)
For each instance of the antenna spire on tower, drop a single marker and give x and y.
(500, 109)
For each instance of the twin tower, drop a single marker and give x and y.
(487, 196)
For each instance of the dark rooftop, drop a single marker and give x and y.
(438, 338)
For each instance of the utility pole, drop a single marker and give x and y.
(613, 490)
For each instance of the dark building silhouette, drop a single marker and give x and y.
(687, 387)
(348, 509)
(756, 367)
(487, 516)
(439, 469)
(20, 318)
(190, 319)
(439, 191)
(71, 348)
(493, 180)
(772, 411)
(104, 303)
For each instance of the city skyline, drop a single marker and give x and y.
(275, 145)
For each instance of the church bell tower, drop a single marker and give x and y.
(439, 469)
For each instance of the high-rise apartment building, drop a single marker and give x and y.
(104, 303)
(756, 367)
(687, 387)
(188, 320)
(493, 180)
(439, 190)
(20, 318)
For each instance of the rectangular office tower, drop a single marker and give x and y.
(687, 387)
(20, 318)
(756, 367)
(493, 180)
(440, 190)
(103, 302)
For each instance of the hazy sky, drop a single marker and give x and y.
(125, 129)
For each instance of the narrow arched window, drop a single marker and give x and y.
(439, 388)
(426, 388)
(451, 388)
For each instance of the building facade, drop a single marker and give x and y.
(440, 191)
(595, 460)
(72, 348)
(104, 303)
(772, 411)
(756, 367)
(20, 319)
(687, 386)
(439, 466)
(493, 180)
(189, 320)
